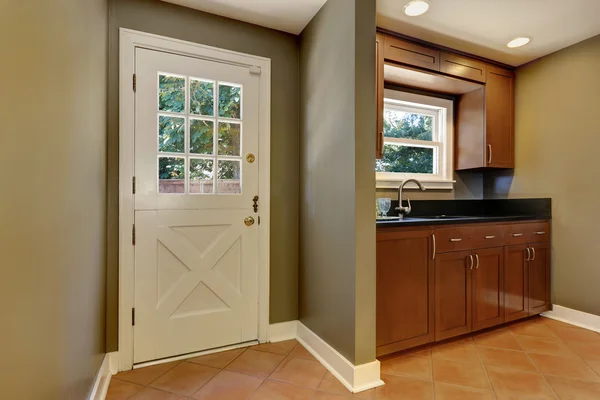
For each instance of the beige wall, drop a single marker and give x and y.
(469, 185)
(184, 23)
(337, 230)
(557, 142)
(52, 205)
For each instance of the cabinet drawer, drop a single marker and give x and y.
(486, 236)
(534, 232)
(452, 64)
(453, 239)
(399, 51)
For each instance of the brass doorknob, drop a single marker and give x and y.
(249, 221)
(250, 158)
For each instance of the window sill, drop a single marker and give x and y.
(435, 184)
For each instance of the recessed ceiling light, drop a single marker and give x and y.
(518, 42)
(416, 7)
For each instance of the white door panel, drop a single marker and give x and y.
(196, 261)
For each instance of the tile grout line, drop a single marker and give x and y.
(485, 370)
(220, 370)
(536, 367)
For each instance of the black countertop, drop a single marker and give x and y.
(448, 212)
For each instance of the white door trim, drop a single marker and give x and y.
(129, 40)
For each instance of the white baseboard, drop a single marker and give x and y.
(282, 331)
(106, 371)
(355, 378)
(574, 317)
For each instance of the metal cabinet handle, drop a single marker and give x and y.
(533, 257)
(517, 234)
(490, 148)
(471, 258)
(456, 240)
(540, 233)
(477, 257)
(490, 237)
(433, 257)
(528, 254)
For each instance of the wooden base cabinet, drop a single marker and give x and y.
(404, 290)
(452, 294)
(469, 293)
(516, 282)
(539, 278)
(437, 283)
(488, 288)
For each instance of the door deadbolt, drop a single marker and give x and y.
(249, 221)
(255, 206)
(250, 158)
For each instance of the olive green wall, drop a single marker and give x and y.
(557, 140)
(52, 204)
(337, 228)
(170, 20)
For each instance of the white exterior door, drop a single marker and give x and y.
(196, 233)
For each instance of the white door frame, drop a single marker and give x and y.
(129, 40)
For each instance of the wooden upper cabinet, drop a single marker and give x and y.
(403, 52)
(463, 67)
(516, 282)
(539, 278)
(488, 288)
(499, 118)
(485, 123)
(380, 94)
(404, 290)
(452, 294)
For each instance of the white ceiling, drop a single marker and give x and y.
(284, 15)
(481, 27)
(484, 27)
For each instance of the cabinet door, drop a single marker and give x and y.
(488, 288)
(402, 52)
(452, 294)
(499, 122)
(404, 290)
(380, 91)
(516, 282)
(453, 64)
(539, 278)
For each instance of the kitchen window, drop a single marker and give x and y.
(417, 137)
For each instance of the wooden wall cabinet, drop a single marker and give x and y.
(403, 52)
(442, 282)
(485, 111)
(380, 94)
(404, 290)
(485, 123)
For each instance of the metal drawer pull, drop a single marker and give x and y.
(433, 258)
(540, 233)
(477, 257)
(533, 257)
(517, 234)
(490, 237)
(456, 240)
(472, 262)
(528, 254)
(490, 159)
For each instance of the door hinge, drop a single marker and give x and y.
(134, 82)
(133, 185)
(133, 317)
(133, 235)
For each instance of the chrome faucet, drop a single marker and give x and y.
(403, 211)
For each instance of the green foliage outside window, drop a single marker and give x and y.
(171, 98)
(402, 158)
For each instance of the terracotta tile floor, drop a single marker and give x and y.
(537, 359)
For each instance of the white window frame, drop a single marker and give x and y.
(442, 139)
